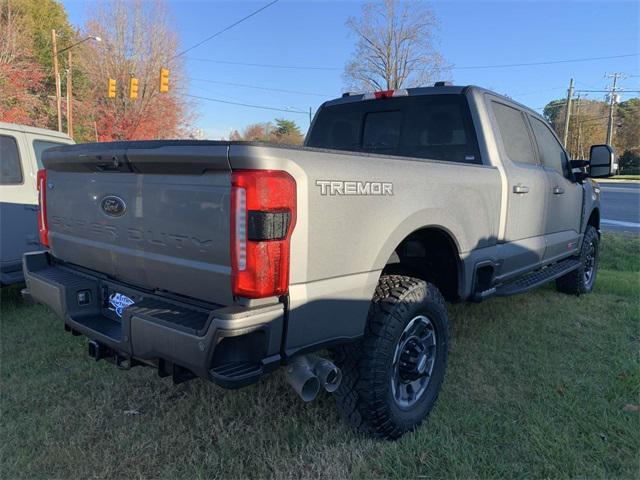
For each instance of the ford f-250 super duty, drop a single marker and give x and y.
(226, 260)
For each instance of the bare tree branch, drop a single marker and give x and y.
(394, 47)
(137, 39)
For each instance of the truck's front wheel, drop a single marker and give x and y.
(583, 278)
(391, 379)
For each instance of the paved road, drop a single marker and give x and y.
(620, 206)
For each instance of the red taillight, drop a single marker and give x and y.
(263, 214)
(43, 225)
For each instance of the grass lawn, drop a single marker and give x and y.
(539, 385)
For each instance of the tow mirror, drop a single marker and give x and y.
(601, 161)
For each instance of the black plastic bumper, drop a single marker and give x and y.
(232, 346)
(11, 273)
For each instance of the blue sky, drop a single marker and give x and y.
(472, 33)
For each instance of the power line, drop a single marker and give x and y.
(262, 65)
(228, 27)
(550, 62)
(586, 84)
(524, 94)
(608, 91)
(471, 67)
(269, 89)
(262, 107)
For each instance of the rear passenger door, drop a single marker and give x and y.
(522, 245)
(564, 204)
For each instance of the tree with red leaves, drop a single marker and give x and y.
(136, 42)
(22, 79)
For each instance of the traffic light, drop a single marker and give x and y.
(111, 92)
(164, 80)
(133, 88)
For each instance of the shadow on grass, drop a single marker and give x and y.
(536, 387)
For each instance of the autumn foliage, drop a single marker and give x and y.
(137, 40)
(22, 78)
(284, 132)
(21, 84)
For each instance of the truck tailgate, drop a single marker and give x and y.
(151, 214)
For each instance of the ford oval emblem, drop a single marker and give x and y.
(113, 206)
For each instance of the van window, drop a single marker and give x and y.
(437, 127)
(40, 146)
(10, 167)
(514, 133)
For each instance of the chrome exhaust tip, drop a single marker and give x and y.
(307, 373)
(302, 378)
(329, 375)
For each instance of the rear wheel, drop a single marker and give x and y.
(582, 279)
(391, 379)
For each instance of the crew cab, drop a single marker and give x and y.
(226, 260)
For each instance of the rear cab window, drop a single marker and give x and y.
(515, 134)
(10, 165)
(436, 127)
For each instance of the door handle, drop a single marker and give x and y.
(558, 190)
(520, 189)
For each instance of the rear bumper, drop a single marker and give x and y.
(10, 273)
(231, 346)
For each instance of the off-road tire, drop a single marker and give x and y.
(365, 397)
(575, 283)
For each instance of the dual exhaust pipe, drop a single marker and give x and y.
(307, 373)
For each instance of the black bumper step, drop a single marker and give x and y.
(535, 279)
(60, 276)
(179, 317)
(236, 374)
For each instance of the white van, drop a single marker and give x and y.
(21, 150)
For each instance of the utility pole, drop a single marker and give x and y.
(56, 75)
(69, 95)
(310, 116)
(578, 151)
(565, 134)
(612, 102)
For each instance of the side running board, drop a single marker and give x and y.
(535, 279)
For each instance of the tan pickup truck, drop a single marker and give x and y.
(227, 260)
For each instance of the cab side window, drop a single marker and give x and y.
(514, 133)
(551, 152)
(10, 168)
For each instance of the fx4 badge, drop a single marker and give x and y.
(340, 187)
